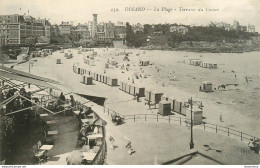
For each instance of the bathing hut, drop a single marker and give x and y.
(144, 63)
(58, 61)
(196, 115)
(164, 108)
(209, 65)
(154, 97)
(127, 89)
(87, 80)
(206, 86)
(195, 62)
(112, 81)
(113, 62)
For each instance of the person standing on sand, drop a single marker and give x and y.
(220, 117)
(246, 80)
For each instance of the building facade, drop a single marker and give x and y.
(23, 30)
(101, 37)
(65, 28)
(179, 29)
(81, 32)
(251, 28)
(120, 30)
(94, 27)
(109, 29)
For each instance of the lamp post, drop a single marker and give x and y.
(191, 125)
(30, 62)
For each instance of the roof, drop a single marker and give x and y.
(26, 79)
(206, 82)
(13, 71)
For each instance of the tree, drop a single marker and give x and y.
(129, 35)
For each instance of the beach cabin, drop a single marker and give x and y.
(87, 80)
(113, 62)
(206, 86)
(209, 65)
(140, 91)
(78, 71)
(195, 62)
(58, 61)
(164, 108)
(156, 97)
(144, 63)
(112, 82)
(196, 115)
(172, 101)
(179, 107)
(153, 97)
(127, 89)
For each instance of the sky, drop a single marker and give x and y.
(80, 11)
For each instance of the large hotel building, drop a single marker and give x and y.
(23, 30)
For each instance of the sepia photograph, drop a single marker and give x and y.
(129, 82)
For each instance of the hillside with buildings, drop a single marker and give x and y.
(25, 30)
(215, 37)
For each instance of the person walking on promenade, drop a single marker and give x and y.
(137, 97)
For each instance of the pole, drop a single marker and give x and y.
(29, 72)
(191, 133)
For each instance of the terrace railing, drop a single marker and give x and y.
(185, 122)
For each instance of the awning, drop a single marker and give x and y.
(27, 80)
(13, 71)
(98, 100)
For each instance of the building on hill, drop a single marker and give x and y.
(80, 32)
(65, 28)
(179, 29)
(236, 25)
(106, 32)
(251, 28)
(138, 28)
(55, 30)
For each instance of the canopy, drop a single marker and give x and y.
(27, 80)
(98, 100)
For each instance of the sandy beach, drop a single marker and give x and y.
(238, 105)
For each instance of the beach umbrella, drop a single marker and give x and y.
(75, 158)
(100, 122)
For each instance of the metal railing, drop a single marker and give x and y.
(185, 122)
